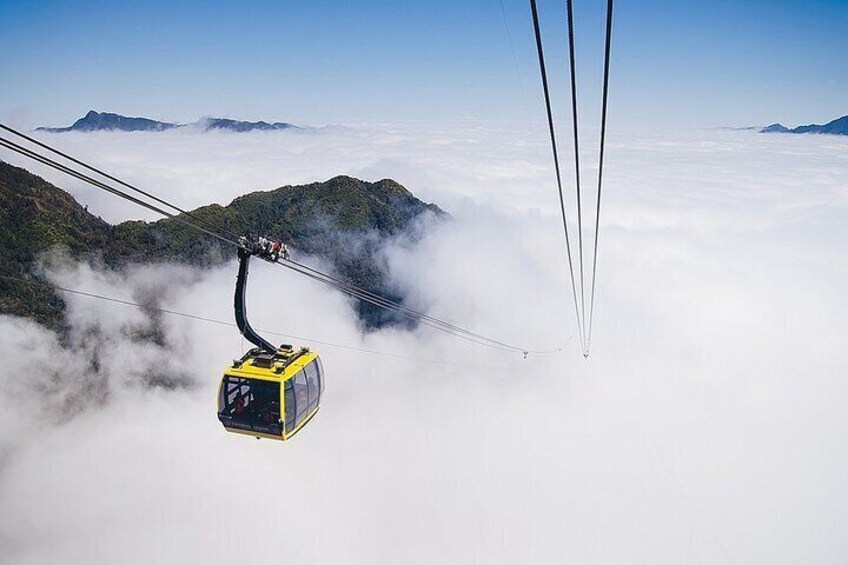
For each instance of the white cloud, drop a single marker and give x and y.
(707, 426)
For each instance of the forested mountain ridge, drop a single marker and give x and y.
(343, 220)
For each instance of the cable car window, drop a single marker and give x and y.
(290, 406)
(250, 404)
(301, 396)
(312, 384)
(320, 368)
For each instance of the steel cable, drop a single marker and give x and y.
(544, 73)
(401, 309)
(11, 145)
(117, 180)
(607, 51)
(314, 274)
(232, 325)
(575, 129)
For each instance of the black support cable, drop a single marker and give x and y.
(400, 308)
(328, 280)
(195, 317)
(572, 67)
(11, 145)
(117, 180)
(544, 73)
(607, 51)
(360, 295)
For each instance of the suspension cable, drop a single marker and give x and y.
(349, 289)
(607, 50)
(68, 171)
(574, 127)
(363, 295)
(544, 73)
(117, 180)
(326, 279)
(198, 318)
(585, 322)
(398, 307)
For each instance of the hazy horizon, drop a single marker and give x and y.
(706, 425)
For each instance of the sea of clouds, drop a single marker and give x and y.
(707, 426)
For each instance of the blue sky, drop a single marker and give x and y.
(675, 63)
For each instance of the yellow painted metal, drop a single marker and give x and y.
(280, 371)
(249, 370)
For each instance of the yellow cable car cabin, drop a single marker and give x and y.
(271, 392)
(271, 396)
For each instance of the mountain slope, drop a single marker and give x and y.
(343, 220)
(36, 216)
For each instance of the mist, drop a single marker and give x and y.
(708, 424)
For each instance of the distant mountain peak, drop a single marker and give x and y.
(106, 121)
(241, 126)
(775, 128)
(839, 126)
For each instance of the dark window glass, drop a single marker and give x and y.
(311, 371)
(290, 406)
(250, 404)
(301, 396)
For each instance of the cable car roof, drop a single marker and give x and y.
(281, 366)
